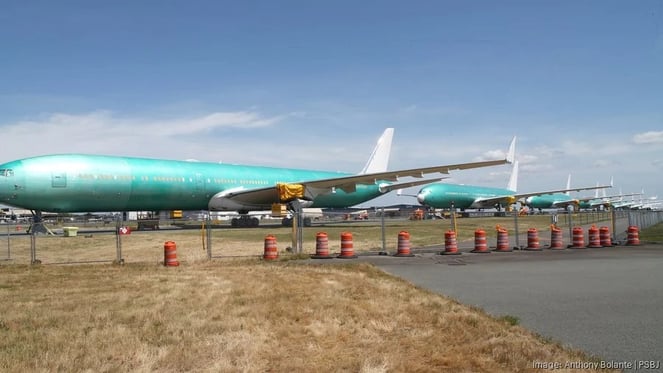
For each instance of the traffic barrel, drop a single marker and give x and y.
(480, 242)
(321, 246)
(450, 243)
(633, 236)
(604, 237)
(347, 248)
(170, 254)
(593, 237)
(403, 244)
(533, 240)
(578, 238)
(556, 241)
(502, 240)
(271, 252)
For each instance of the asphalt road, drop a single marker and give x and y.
(607, 302)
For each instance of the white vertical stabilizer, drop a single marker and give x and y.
(511, 153)
(511, 157)
(568, 185)
(513, 180)
(379, 160)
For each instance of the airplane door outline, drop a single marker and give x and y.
(59, 179)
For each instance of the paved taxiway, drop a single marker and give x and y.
(607, 301)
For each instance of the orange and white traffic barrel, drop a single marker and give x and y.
(450, 243)
(593, 237)
(347, 247)
(502, 240)
(578, 238)
(604, 237)
(556, 241)
(480, 242)
(403, 244)
(633, 236)
(271, 252)
(533, 240)
(170, 254)
(321, 246)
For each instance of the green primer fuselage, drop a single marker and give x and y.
(549, 201)
(443, 195)
(87, 183)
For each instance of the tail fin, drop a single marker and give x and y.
(511, 154)
(612, 183)
(379, 160)
(513, 180)
(568, 185)
(511, 158)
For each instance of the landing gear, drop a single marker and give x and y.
(287, 222)
(244, 221)
(37, 226)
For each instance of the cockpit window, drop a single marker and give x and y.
(6, 172)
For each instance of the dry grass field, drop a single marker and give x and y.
(251, 316)
(240, 313)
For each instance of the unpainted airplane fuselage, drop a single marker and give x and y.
(87, 183)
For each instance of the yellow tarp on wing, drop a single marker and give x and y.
(288, 192)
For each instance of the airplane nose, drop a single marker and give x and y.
(6, 184)
(421, 197)
(3, 188)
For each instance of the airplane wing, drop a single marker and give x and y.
(525, 195)
(349, 183)
(511, 199)
(384, 188)
(263, 198)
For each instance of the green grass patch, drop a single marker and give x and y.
(652, 234)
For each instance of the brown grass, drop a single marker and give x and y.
(250, 316)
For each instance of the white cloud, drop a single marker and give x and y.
(535, 168)
(105, 122)
(602, 163)
(101, 132)
(651, 137)
(491, 155)
(211, 122)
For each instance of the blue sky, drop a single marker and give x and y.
(312, 84)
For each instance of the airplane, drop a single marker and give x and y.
(444, 195)
(604, 200)
(90, 183)
(621, 203)
(558, 199)
(644, 203)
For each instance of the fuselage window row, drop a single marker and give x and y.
(159, 178)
